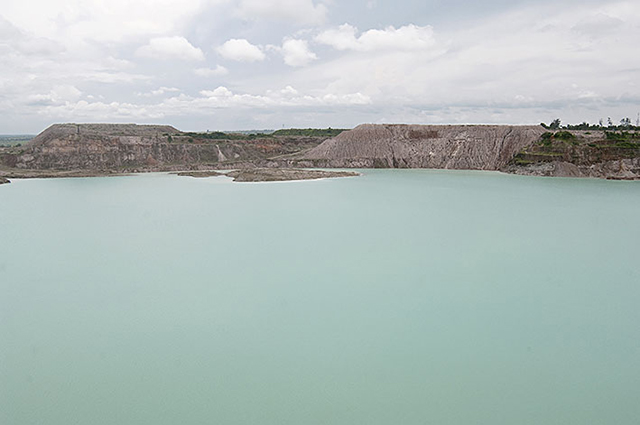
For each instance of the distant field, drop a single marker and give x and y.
(310, 132)
(7, 140)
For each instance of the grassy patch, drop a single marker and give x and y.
(622, 135)
(564, 135)
(310, 132)
(628, 145)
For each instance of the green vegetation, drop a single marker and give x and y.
(519, 160)
(622, 135)
(624, 139)
(11, 140)
(219, 135)
(547, 138)
(288, 132)
(625, 124)
(310, 132)
(564, 135)
(628, 145)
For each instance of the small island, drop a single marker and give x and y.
(199, 174)
(284, 174)
(270, 174)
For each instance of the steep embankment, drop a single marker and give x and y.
(602, 153)
(472, 147)
(90, 149)
(130, 147)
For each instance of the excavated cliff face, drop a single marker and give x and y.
(620, 169)
(131, 133)
(126, 147)
(472, 147)
(97, 146)
(531, 150)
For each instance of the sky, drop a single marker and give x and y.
(267, 64)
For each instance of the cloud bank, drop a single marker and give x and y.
(315, 63)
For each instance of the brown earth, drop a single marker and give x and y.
(579, 153)
(467, 147)
(108, 148)
(65, 150)
(283, 174)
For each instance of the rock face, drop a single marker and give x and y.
(597, 153)
(130, 147)
(105, 149)
(96, 146)
(471, 147)
(3, 180)
(621, 169)
(128, 132)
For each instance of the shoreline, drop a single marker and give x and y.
(253, 175)
(240, 175)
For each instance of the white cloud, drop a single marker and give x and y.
(114, 111)
(57, 95)
(597, 25)
(408, 37)
(218, 92)
(524, 59)
(167, 48)
(241, 50)
(515, 65)
(65, 93)
(211, 72)
(300, 12)
(183, 105)
(159, 91)
(222, 97)
(289, 91)
(113, 20)
(21, 43)
(115, 63)
(110, 77)
(296, 52)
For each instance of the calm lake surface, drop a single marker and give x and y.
(399, 297)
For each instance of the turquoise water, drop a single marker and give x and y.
(398, 297)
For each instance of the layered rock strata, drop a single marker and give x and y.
(470, 147)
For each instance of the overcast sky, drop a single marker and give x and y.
(260, 64)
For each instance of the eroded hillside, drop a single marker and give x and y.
(89, 149)
(130, 147)
(577, 153)
(469, 147)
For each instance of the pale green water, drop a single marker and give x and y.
(399, 297)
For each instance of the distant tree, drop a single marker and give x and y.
(625, 122)
(609, 122)
(600, 122)
(555, 124)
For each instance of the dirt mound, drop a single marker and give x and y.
(473, 147)
(60, 131)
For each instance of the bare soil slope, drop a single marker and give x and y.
(474, 147)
